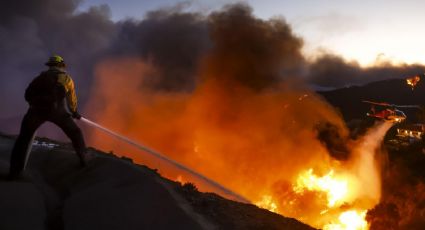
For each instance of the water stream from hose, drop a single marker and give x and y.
(172, 162)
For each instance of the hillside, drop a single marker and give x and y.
(113, 193)
(396, 91)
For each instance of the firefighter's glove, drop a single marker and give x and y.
(76, 115)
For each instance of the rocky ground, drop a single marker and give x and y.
(113, 193)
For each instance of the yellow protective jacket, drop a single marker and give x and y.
(43, 90)
(67, 82)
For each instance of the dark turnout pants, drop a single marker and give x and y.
(32, 120)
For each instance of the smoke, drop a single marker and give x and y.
(342, 181)
(31, 31)
(239, 89)
(160, 157)
(246, 124)
(224, 93)
(401, 208)
(221, 92)
(333, 71)
(335, 141)
(364, 161)
(403, 190)
(252, 52)
(170, 39)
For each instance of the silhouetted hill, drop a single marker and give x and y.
(349, 100)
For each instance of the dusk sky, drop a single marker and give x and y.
(365, 31)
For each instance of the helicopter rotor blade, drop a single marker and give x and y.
(377, 103)
(407, 106)
(392, 105)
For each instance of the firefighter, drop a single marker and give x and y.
(51, 97)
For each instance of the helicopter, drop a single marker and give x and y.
(389, 112)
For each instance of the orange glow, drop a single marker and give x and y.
(335, 200)
(259, 143)
(180, 179)
(335, 188)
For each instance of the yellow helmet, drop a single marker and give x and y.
(55, 60)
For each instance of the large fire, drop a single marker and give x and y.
(337, 198)
(336, 189)
(247, 124)
(262, 146)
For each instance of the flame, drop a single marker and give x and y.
(260, 144)
(335, 200)
(248, 123)
(412, 81)
(336, 189)
(268, 203)
(349, 220)
(180, 179)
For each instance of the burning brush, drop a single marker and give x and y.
(412, 81)
(233, 128)
(340, 197)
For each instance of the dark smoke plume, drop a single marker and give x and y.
(174, 41)
(334, 140)
(230, 46)
(31, 31)
(242, 116)
(335, 72)
(402, 204)
(252, 51)
(170, 40)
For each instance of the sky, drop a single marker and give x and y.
(364, 31)
(175, 42)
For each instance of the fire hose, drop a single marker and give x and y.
(162, 157)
